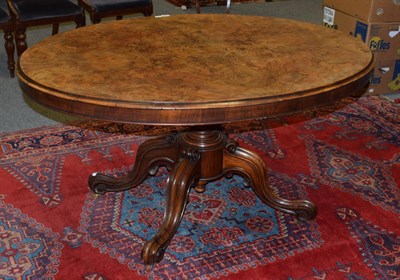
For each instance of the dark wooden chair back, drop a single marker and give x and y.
(27, 13)
(99, 9)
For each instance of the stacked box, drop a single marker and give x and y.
(372, 11)
(377, 23)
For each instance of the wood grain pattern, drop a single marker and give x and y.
(193, 69)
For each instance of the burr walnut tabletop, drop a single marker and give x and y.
(200, 71)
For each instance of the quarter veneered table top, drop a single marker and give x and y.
(193, 69)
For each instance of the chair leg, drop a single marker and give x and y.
(80, 21)
(21, 42)
(56, 27)
(9, 46)
(95, 17)
(198, 6)
(148, 10)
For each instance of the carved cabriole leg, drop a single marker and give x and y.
(201, 161)
(252, 167)
(9, 46)
(179, 183)
(196, 158)
(151, 154)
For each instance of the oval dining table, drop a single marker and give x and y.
(199, 71)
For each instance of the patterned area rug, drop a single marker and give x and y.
(345, 158)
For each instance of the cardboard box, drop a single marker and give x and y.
(384, 41)
(376, 11)
(386, 77)
(383, 38)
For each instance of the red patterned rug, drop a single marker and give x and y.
(346, 159)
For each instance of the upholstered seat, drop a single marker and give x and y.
(46, 9)
(7, 26)
(99, 9)
(28, 13)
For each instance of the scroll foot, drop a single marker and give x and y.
(151, 154)
(180, 181)
(253, 169)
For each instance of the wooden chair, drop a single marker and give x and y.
(99, 9)
(7, 26)
(27, 13)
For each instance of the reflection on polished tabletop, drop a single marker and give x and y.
(199, 71)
